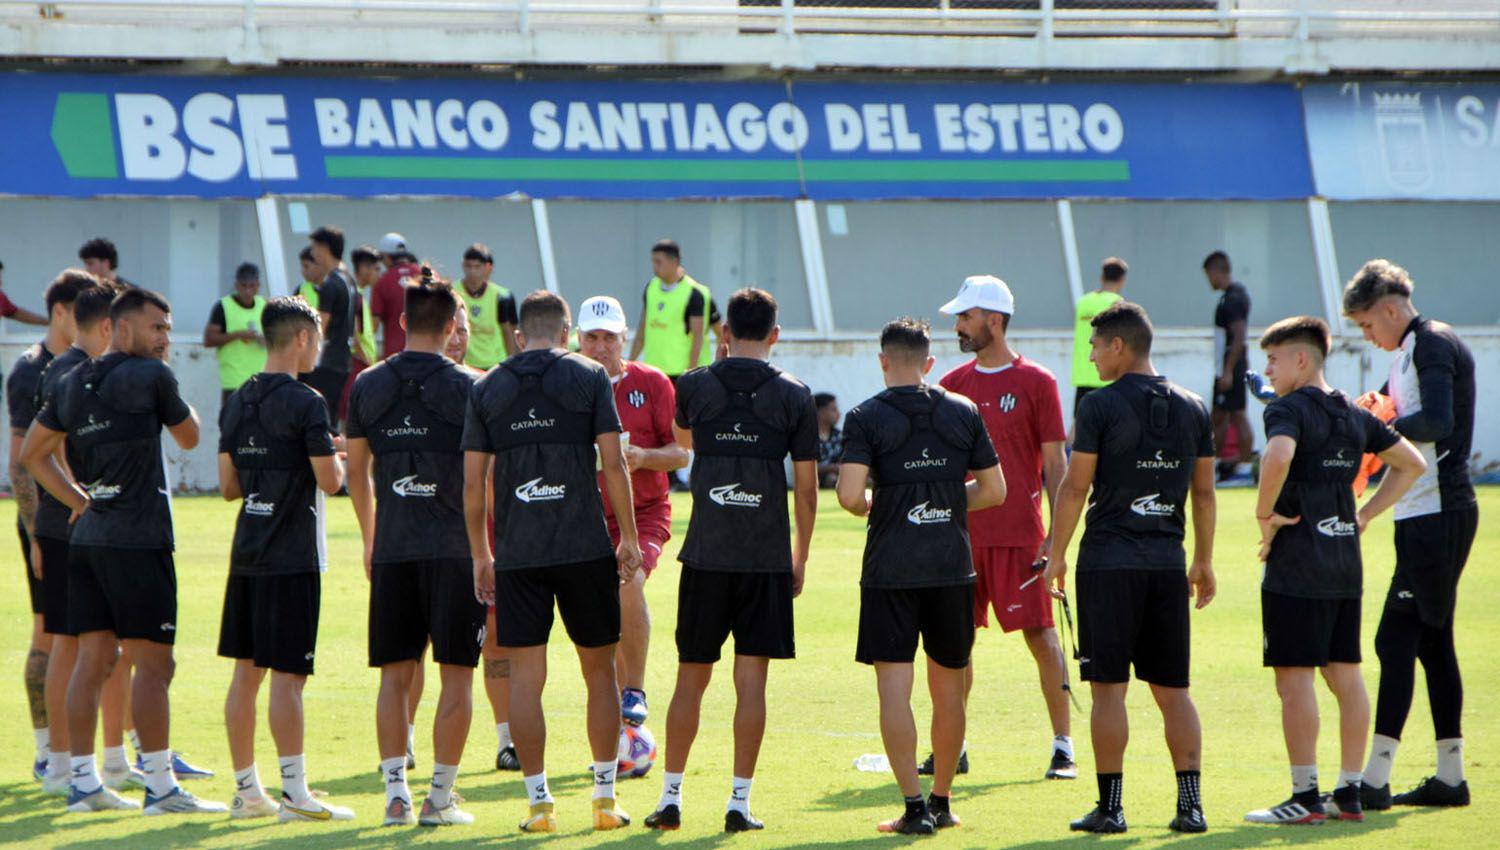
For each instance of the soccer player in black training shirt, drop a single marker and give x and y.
(1313, 577)
(276, 456)
(1143, 444)
(121, 579)
(21, 403)
(742, 416)
(338, 304)
(1432, 384)
(919, 442)
(406, 420)
(541, 415)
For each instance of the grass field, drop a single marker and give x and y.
(823, 715)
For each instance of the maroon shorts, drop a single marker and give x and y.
(1002, 570)
(653, 526)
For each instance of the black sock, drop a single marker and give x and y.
(937, 803)
(1188, 798)
(1111, 791)
(916, 807)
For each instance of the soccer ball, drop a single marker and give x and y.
(637, 751)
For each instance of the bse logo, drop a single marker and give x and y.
(730, 496)
(535, 491)
(923, 515)
(1148, 506)
(254, 507)
(1334, 527)
(410, 486)
(1007, 403)
(636, 398)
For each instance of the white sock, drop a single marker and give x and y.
(42, 740)
(739, 796)
(502, 731)
(114, 759)
(135, 741)
(1450, 753)
(247, 783)
(536, 788)
(443, 777)
(85, 775)
(294, 778)
(1350, 777)
(1063, 744)
(1304, 778)
(671, 790)
(58, 764)
(158, 767)
(965, 748)
(394, 771)
(411, 737)
(604, 779)
(1382, 758)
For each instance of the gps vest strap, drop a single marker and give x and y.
(1159, 453)
(412, 390)
(98, 411)
(534, 416)
(728, 427)
(923, 449)
(270, 452)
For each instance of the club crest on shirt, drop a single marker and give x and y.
(1006, 403)
(636, 398)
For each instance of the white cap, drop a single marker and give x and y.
(393, 243)
(601, 313)
(984, 291)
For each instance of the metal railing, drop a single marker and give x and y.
(1031, 33)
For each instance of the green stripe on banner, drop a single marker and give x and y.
(732, 170)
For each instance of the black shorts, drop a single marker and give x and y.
(1302, 632)
(33, 584)
(890, 621)
(1134, 616)
(587, 595)
(1431, 552)
(330, 384)
(414, 601)
(755, 607)
(1233, 398)
(131, 592)
(1078, 394)
(55, 570)
(272, 621)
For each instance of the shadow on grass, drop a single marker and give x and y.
(505, 787)
(1235, 835)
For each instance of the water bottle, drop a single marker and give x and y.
(872, 763)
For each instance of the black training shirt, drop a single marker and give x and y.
(410, 407)
(920, 443)
(113, 410)
(51, 515)
(1432, 384)
(21, 387)
(1319, 558)
(337, 297)
(746, 416)
(270, 428)
(1233, 306)
(539, 413)
(1148, 434)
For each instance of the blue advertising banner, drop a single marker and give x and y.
(1404, 140)
(79, 136)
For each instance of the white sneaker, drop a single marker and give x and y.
(180, 802)
(311, 810)
(127, 777)
(398, 813)
(449, 815)
(99, 800)
(251, 807)
(57, 786)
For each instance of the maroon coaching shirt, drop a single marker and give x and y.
(1021, 410)
(646, 402)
